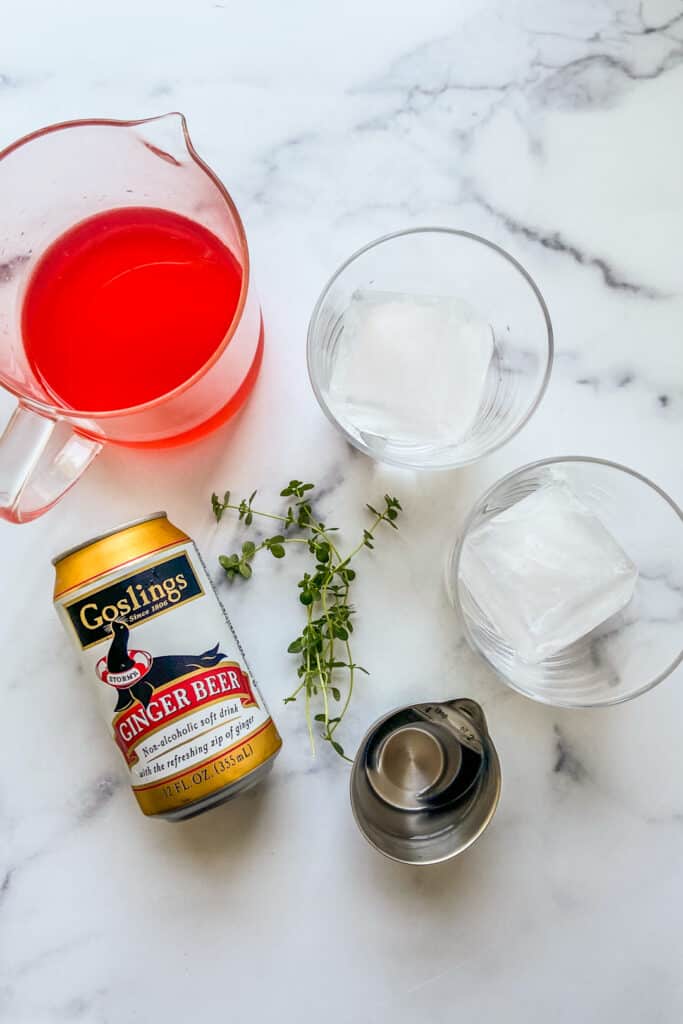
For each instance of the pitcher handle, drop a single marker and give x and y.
(40, 459)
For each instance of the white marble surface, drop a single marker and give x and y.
(554, 128)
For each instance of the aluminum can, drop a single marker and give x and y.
(166, 666)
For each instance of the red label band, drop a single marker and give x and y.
(178, 699)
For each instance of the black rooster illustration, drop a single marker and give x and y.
(163, 670)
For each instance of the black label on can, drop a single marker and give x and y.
(146, 593)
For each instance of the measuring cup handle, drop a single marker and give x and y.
(40, 458)
(471, 709)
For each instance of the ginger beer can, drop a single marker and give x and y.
(166, 666)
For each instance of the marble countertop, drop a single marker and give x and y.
(554, 129)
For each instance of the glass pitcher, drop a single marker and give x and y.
(49, 181)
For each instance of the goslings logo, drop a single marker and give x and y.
(146, 593)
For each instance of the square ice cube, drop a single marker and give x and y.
(546, 572)
(410, 368)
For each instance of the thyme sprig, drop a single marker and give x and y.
(327, 671)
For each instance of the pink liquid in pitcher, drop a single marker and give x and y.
(127, 305)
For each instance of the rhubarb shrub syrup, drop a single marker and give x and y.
(126, 306)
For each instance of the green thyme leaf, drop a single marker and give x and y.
(323, 648)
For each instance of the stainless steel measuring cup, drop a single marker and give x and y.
(426, 781)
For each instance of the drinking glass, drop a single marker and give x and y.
(633, 650)
(49, 181)
(437, 261)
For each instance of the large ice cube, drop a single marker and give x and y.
(410, 368)
(546, 572)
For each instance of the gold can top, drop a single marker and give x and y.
(113, 548)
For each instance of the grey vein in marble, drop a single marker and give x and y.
(36, 961)
(8, 267)
(6, 883)
(566, 761)
(99, 795)
(555, 242)
(596, 81)
(662, 29)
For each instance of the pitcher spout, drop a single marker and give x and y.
(166, 136)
